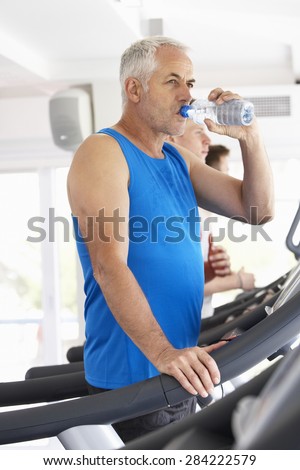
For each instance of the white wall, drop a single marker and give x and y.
(25, 134)
(107, 103)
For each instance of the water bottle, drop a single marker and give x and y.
(229, 113)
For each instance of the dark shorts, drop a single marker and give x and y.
(136, 427)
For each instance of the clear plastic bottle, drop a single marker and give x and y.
(229, 113)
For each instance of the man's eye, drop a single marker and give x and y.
(190, 85)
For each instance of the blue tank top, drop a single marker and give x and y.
(165, 257)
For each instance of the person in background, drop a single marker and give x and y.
(217, 158)
(134, 200)
(196, 139)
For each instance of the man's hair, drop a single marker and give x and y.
(139, 60)
(215, 153)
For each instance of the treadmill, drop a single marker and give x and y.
(77, 422)
(262, 414)
(222, 313)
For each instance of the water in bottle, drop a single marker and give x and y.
(229, 113)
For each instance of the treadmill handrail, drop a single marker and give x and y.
(105, 408)
(289, 239)
(43, 389)
(243, 322)
(258, 343)
(47, 371)
(239, 355)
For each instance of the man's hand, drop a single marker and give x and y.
(220, 96)
(194, 368)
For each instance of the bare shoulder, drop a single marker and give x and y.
(98, 166)
(96, 151)
(98, 157)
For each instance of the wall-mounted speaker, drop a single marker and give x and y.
(71, 117)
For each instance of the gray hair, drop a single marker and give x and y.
(139, 60)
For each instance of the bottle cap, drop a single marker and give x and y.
(184, 110)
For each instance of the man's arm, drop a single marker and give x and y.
(98, 179)
(250, 200)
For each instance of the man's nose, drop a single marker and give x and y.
(186, 93)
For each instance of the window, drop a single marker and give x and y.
(71, 315)
(21, 276)
(38, 272)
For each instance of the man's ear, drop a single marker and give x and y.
(133, 89)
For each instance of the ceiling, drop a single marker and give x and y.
(45, 45)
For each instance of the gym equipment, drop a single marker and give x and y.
(290, 236)
(208, 334)
(272, 420)
(46, 371)
(233, 308)
(43, 389)
(209, 429)
(237, 306)
(242, 322)
(75, 354)
(68, 419)
(263, 413)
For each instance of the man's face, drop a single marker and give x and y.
(168, 90)
(195, 139)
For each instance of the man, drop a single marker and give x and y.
(128, 191)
